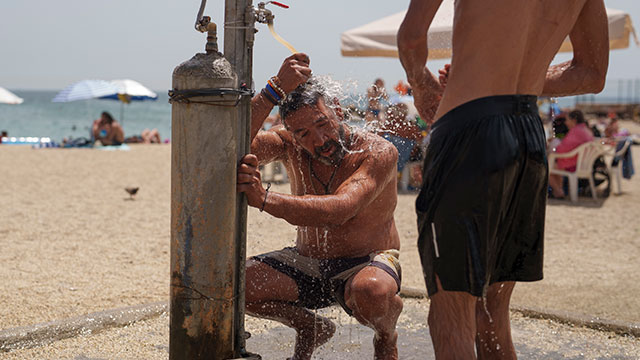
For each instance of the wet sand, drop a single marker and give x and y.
(149, 340)
(73, 244)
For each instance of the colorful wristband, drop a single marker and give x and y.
(265, 93)
(272, 92)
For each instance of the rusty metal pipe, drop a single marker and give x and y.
(204, 264)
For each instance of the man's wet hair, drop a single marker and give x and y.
(306, 94)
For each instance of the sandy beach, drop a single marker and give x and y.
(72, 242)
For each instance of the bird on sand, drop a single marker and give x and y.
(132, 191)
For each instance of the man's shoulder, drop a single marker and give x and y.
(376, 148)
(278, 131)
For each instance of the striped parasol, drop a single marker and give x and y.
(127, 91)
(131, 90)
(86, 89)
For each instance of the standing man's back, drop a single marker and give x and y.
(482, 206)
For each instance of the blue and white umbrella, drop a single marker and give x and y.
(86, 89)
(128, 91)
(131, 90)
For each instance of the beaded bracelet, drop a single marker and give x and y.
(275, 84)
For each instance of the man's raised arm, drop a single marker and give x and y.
(293, 72)
(586, 72)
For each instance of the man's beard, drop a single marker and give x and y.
(340, 149)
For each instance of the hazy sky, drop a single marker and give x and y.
(48, 44)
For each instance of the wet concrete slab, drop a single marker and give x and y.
(533, 338)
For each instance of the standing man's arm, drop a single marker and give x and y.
(413, 52)
(586, 72)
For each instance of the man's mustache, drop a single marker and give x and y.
(326, 146)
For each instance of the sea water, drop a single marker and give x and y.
(39, 117)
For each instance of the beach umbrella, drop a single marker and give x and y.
(85, 89)
(7, 97)
(378, 38)
(129, 90)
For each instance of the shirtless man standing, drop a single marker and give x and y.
(343, 195)
(482, 205)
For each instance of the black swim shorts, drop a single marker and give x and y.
(482, 204)
(321, 282)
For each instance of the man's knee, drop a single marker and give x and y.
(368, 294)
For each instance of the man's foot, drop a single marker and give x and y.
(306, 342)
(385, 348)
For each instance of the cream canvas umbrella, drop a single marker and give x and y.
(378, 38)
(7, 97)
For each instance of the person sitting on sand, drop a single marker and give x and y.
(146, 137)
(343, 196)
(107, 130)
(579, 133)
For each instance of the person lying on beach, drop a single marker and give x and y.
(343, 196)
(107, 131)
(146, 137)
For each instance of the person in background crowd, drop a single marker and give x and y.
(579, 133)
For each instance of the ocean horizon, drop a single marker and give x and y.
(37, 116)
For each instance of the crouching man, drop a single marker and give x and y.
(343, 195)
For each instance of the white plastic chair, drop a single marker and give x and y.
(587, 153)
(616, 171)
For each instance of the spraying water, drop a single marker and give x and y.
(280, 39)
(553, 103)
